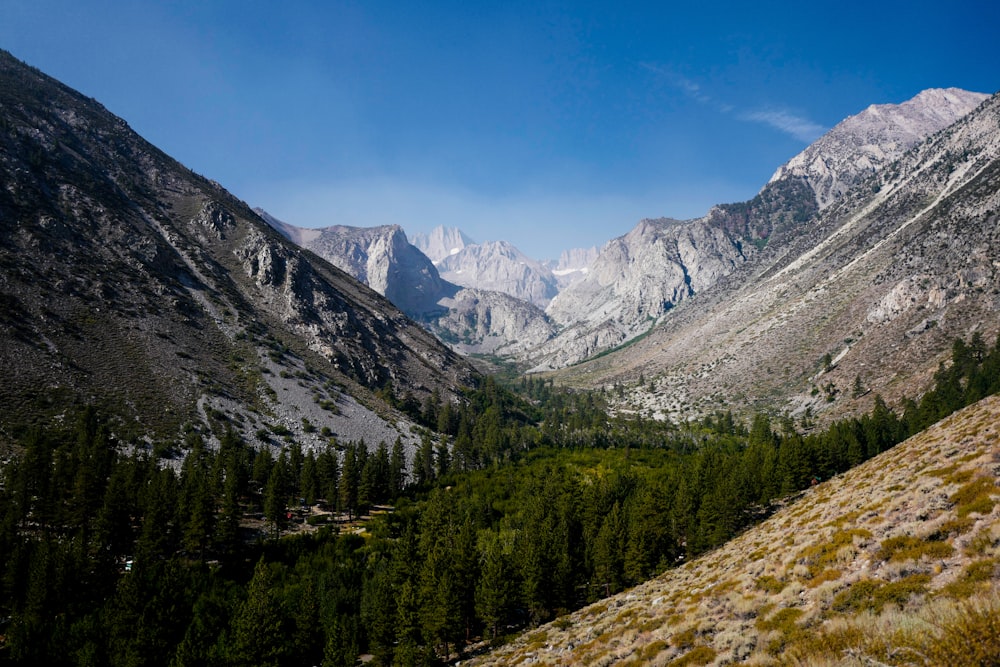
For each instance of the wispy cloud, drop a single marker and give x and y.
(799, 127)
(689, 87)
(795, 125)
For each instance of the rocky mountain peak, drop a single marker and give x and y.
(380, 257)
(575, 259)
(572, 265)
(635, 279)
(500, 267)
(861, 144)
(441, 242)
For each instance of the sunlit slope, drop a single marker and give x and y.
(888, 562)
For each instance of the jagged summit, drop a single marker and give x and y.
(500, 267)
(864, 143)
(471, 319)
(572, 265)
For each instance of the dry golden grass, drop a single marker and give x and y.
(896, 562)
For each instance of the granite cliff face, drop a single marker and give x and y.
(500, 267)
(635, 280)
(441, 242)
(646, 272)
(133, 284)
(380, 257)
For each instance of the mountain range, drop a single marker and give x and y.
(861, 299)
(473, 319)
(668, 285)
(739, 308)
(641, 276)
(875, 243)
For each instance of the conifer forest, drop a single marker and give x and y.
(522, 502)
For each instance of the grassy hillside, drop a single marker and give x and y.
(894, 562)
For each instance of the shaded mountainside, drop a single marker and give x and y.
(863, 299)
(134, 284)
(889, 563)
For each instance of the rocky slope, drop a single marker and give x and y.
(493, 323)
(871, 293)
(889, 563)
(132, 283)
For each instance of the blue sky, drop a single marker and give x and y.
(551, 125)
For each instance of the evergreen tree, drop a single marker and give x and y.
(275, 496)
(423, 464)
(260, 470)
(259, 630)
(378, 611)
(328, 477)
(380, 466)
(203, 643)
(495, 587)
(309, 479)
(397, 469)
(197, 499)
(228, 523)
(350, 481)
(442, 457)
(306, 644)
(608, 552)
(158, 537)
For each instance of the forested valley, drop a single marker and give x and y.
(522, 503)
